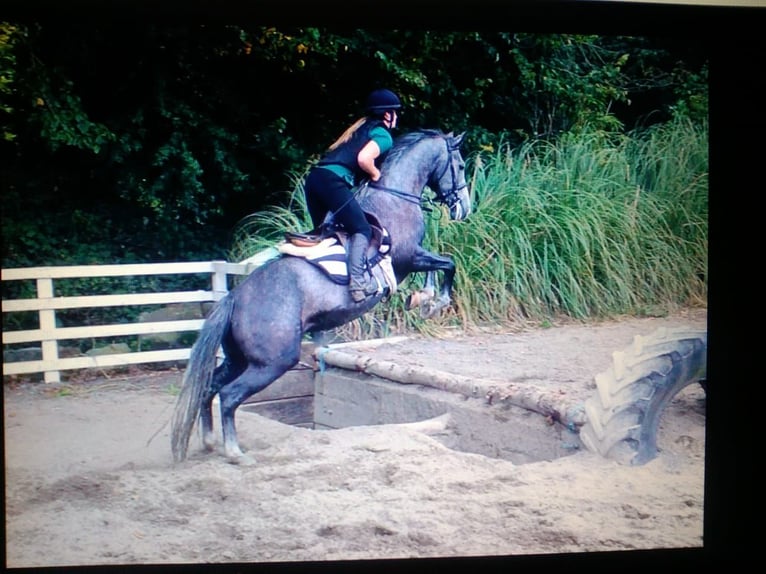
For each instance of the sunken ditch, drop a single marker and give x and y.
(340, 386)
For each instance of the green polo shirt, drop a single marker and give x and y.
(381, 136)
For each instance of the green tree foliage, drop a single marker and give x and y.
(152, 141)
(569, 81)
(8, 34)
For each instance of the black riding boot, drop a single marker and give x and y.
(361, 285)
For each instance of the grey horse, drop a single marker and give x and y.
(261, 322)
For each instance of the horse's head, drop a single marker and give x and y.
(449, 180)
(427, 157)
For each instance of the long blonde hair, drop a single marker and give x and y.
(345, 136)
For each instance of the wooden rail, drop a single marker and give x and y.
(46, 304)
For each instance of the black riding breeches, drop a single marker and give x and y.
(325, 191)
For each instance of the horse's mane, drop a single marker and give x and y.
(408, 140)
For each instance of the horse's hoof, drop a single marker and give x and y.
(419, 299)
(429, 310)
(208, 444)
(241, 460)
(235, 456)
(433, 308)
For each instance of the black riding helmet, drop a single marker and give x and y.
(382, 100)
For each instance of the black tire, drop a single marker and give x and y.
(624, 414)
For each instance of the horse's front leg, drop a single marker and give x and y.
(430, 263)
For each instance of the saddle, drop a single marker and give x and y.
(326, 245)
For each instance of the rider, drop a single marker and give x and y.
(351, 158)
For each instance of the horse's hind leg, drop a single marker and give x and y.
(223, 375)
(252, 380)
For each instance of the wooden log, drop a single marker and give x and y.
(528, 396)
(407, 375)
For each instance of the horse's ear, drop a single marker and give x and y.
(458, 140)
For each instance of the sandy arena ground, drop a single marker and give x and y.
(90, 478)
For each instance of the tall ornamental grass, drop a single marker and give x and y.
(590, 226)
(263, 229)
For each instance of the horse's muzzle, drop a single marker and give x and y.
(461, 208)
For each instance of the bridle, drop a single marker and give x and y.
(452, 198)
(449, 199)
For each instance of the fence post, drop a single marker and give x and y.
(220, 288)
(220, 282)
(50, 349)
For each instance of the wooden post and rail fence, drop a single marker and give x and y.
(46, 304)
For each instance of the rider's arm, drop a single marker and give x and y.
(366, 159)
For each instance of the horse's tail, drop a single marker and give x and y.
(198, 376)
